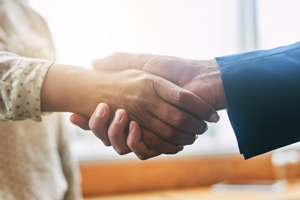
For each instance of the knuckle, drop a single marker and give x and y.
(179, 120)
(147, 78)
(113, 134)
(144, 80)
(96, 123)
(156, 82)
(170, 134)
(131, 144)
(179, 95)
(139, 96)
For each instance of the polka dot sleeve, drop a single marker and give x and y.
(20, 85)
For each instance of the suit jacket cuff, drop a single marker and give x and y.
(263, 94)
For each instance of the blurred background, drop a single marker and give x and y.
(84, 30)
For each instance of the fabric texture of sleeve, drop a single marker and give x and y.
(20, 85)
(262, 89)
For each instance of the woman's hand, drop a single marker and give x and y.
(169, 115)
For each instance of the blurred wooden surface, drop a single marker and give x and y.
(130, 176)
(292, 193)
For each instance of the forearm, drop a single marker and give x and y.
(69, 88)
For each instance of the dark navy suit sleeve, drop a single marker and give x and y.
(262, 89)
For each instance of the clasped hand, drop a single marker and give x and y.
(163, 115)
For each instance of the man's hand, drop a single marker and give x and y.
(201, 77)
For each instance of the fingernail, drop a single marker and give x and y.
(214, 117)
(99, 111)
(118, 117)
(130, 128)
(206, 128)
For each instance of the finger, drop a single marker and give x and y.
(117, 134)
(170, 133)
(99, 123)
(157, 144)
(173, 116)
(119, 61)
(185, 100)
(168, 67)
(80, 121)
(135, 143)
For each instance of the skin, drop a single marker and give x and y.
(157, 105)
(200, 77)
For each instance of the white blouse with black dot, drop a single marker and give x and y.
(20, 86)
(35, 158)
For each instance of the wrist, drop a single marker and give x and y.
(217, 88)
(68, 89)
(210, 85)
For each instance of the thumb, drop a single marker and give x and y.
(121, 61)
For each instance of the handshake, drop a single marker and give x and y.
(149, 104)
